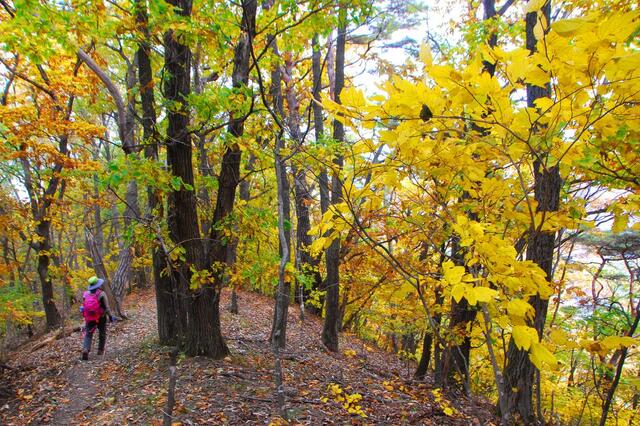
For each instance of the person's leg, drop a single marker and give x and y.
(102, 334)
(89, 327)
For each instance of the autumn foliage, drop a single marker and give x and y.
(472, 208)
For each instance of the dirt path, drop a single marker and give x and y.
(84, 381)
(80, 393)
(52, 386)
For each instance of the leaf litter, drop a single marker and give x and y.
(128, 385)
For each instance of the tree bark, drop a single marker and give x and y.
(519, 371)
(304, 262)
(203, 155)
(425, 357)
(122, 275)
(40, 212)
(97, 211)
(318, 124)
(332, 302)
(182, 217)
(228, 180)
(279, 327)
(618, 359)
(279, 330)
(43, 232)
(99, 268)
(166, 299)
(318, 121)
(126, 130)
(456, 357)
(232, 253)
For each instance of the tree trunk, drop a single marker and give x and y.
(332, 302)
(519, 371)
(97, 211)
(227, 183)
(427, 343)
(166, 298)
(182, 217)
(98, 266)
(126, 131)
(304, 262)
(318, 121)
(456, 357)
(425, 357)
(232, 253)
(40, 209)
(318, 124)
(43, 231)
(618, 359)
(203, 155)
(122, 275)
(279, 328)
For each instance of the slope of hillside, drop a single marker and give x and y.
(129, 384)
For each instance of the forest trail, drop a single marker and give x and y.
(52, 386)
(84, 378)
(79, 394)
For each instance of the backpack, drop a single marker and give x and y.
(92, 307)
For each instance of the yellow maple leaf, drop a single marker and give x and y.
(524, 336)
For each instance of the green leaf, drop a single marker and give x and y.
(175, 183)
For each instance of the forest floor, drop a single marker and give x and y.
(128, 385)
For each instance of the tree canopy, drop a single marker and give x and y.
(466, 197)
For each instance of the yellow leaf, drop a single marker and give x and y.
(543, 104)
(317, 245)
(616, 342)
(567, 27)
(535, 5)
(457, 292)
(390, 178)
(537, 76)
(520, 309)
(484, 294)
(350, 353)
(353, 97)
(538, 30)
(620, 222)
(540, 355)
(524, 336)
(453, 274)
(425, 55)
(558, 336)
(503, 321)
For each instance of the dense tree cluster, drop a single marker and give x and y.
(475, 211)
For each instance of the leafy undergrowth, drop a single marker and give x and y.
(360, 385)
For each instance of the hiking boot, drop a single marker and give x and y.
(85, 356)
(100, 352)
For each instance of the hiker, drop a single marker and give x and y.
(95, 310)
